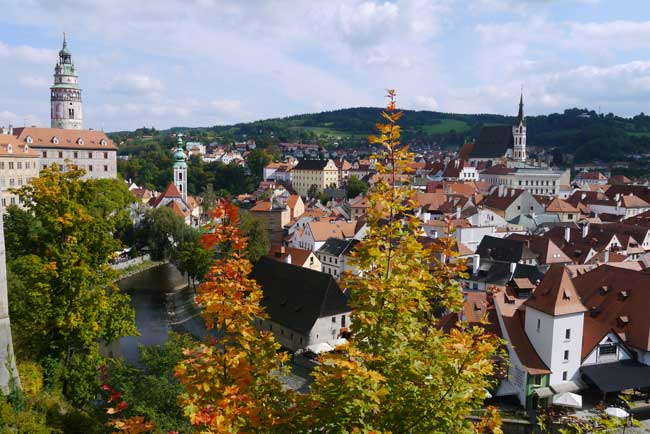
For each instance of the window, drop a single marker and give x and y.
(90, 155)
(11, 182)
(566, 355)
(342, 320)
(607, 349)
(105, 155)
(333, 319)
(13, 201)
(565, 375)
(60, 154)
(539, 324)
(11, 165)
(180, 176)
(106, 170)
(71, 112)
(20, 165)
(27, 165)
(76, 154)
(44, 154)
(2, 165)
(90, 168)
(4, 202)
(567, 334)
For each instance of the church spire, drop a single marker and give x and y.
(520, 116)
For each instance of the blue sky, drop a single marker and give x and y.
(205, 62)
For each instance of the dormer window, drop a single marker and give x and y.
(55, 140)
(26, 149)
(10, 148)
(80, 141)
(102, 142)
(29, 140)
(623, 321)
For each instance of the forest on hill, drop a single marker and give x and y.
(584, 133)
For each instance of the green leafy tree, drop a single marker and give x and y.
(151, 388)
(163, 230)
(313, 191)
(355, 187)
(62, 299)
(193, 260)
(257, 234)
(257, 160)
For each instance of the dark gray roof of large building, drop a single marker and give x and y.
(295, 297)
(504, 249)
(493, 142)
(311, 165)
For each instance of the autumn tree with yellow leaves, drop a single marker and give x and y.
(401, 372)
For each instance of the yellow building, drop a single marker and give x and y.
(18, 165)
(321, 173)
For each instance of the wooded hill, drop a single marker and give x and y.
(586, 134)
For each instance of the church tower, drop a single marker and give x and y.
(180, 169)
(65, 96)
(519, 133)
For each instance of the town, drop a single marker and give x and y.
(550, 259)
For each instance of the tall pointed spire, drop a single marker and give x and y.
(520, 116)
(65, 44)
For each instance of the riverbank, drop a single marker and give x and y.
(137, 268)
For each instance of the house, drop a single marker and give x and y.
(590, 178)
(332, 255)
(19, 164)
(295, 256)
(305, 307)
(565, 211)
(511, 202)
(359, 206)
(321, 173)
(275, 214)
(315, 233)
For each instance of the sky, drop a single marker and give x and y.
(167, 63)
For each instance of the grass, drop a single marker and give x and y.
(445, 126)
(325, 131)
(134, 269)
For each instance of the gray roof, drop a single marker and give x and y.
(295, 297)
(493, 142)
(311, 165)
(504, 249)
(334, 247)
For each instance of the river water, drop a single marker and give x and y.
(163, 303)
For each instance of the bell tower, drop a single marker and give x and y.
(180, 169)
(519, 133)
(65, 94)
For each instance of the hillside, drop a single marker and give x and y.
(583, 133)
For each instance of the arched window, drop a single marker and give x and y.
(29, 140)
(80, 141)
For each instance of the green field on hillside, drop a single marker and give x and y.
(445, 126)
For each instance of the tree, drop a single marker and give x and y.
(256, 234)
(163, 230)
(62, 298)
(193, 260)
(230, 379)
(257, 160)
(151, 389)
(401, 372)
(313, 191)
(209, 198)
(355, 187)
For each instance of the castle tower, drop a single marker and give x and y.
(65, 96)
(554, 324)
(519, 133)
(180, 169)
(8, 371)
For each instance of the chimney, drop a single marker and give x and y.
(567, 234)
(606, 257)
(617, 197)
(585, 230)
(513, 267)
(287, 259)
(512, 192)
(458, 213)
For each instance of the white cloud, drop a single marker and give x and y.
(25, 53)
(18, 120)
(422, 102)
(34, 82)
(137, 83)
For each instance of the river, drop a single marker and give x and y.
(163, 303)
